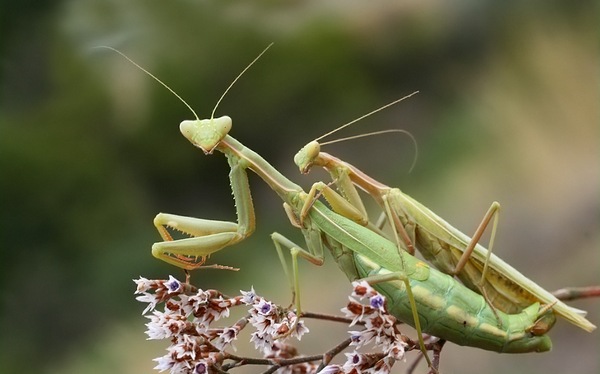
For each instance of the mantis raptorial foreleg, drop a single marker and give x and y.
(209, 236)
(444, 246)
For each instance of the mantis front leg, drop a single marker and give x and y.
(207, 236)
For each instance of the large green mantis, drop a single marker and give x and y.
(420, 295)
(448, 249)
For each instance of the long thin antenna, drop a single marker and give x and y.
(236, 79)
(366, 115)
(412, 138)
(152, 75)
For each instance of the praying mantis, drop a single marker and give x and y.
(420, 295)
(448, 249)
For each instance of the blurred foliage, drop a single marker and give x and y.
(89, 147)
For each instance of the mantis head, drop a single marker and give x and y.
(306, 157)
(206, 134)
(310, 154)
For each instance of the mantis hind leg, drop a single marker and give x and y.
(493, 212)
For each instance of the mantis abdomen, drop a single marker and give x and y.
(450, 310)
(446, 308)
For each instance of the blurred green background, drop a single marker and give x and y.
(90, 151)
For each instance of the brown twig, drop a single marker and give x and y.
(574, 293)
(329, 355)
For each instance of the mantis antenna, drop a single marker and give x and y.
(151, 75)
(412, 138)
(175, 93)
(366, 115)
(236, 79)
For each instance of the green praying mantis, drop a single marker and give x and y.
(422, 296)
(447, 248)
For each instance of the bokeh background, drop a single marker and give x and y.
(90, 151)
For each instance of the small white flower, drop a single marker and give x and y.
(201, 368)
(164, 363)
(201, 296)
(265, 308)
(262, 342)
(165, 325)
(354, 310)
(181, 367)
(397, 350)
(148, 298)
(172, 285)
(262, 324)
(143, 284)
(363, 289)
(249, 297)
(363, 337)
(377, 302)
(219, 308)
(187, 306)
(301, 329)
(156, 328)
(226, 338)
(353, 361)
(189, 346)
(331, 369)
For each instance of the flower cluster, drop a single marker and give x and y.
(273, 327)
(380, 329)
(272, 324)
(186, 319)
(196, 347)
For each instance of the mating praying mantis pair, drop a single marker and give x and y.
(431, 300)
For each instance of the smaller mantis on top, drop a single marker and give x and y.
(447, 248)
